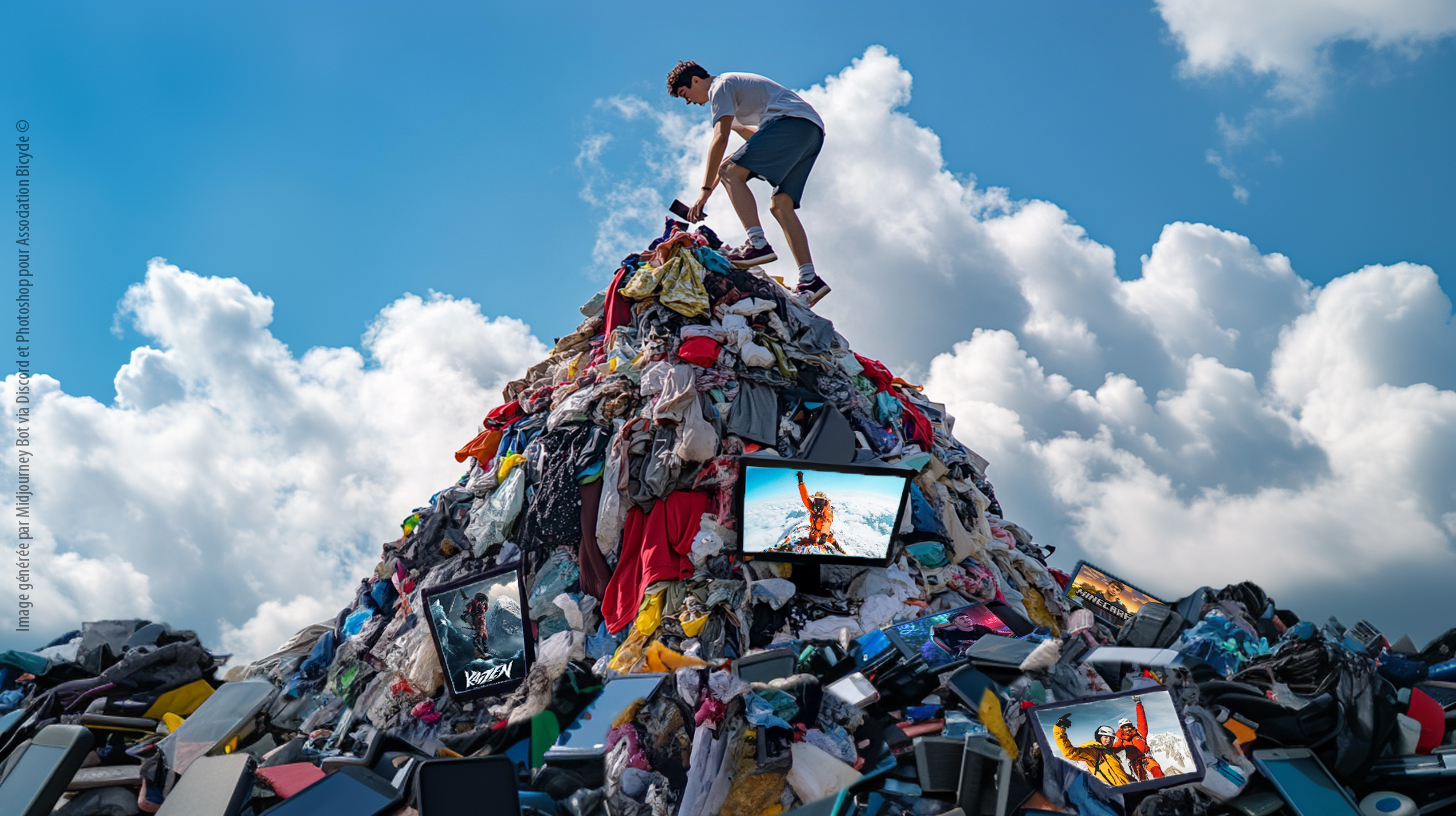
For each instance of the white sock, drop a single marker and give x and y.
(806, 272)
(755, 237)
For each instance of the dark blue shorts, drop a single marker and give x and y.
(782, 152)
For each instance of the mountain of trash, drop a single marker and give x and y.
(574, 626)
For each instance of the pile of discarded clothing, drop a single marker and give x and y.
(581, 625)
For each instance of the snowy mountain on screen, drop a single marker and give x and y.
(862, 525)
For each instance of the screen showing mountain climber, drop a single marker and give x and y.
(943, 638)
(1131, 740)
(480, 631)
(796, 510)
(1109, 599)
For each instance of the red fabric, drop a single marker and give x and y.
(286, 780)
(504, 415)
(700, 351)
(595, 572)
(619, 309)
(918, 429)
(875, 372)
(654, 548)
(1424, 709)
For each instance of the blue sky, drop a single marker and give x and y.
(1176, 269)
(333, 156)
(763, 484)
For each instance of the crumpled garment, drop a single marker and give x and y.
(816, 774)
(774, 591)
(835, 742)
(707, 543)
(678, 285)
(1220, 643)
(612, 510)
(770, 707)
(491, 520)
(680, 405)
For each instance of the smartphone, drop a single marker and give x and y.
(453, 787)
(213, 786)
(37, 777)
(352, 790)
(680, 211)
(1304, 782)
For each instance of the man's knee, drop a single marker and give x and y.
(732, 172)
(781, 205)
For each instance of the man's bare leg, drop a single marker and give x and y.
(735, 181)
(782, 207)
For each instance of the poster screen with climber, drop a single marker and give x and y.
(794, 510)
(1109, 598)
(480, 632)
(943, 638)
(1131, 740)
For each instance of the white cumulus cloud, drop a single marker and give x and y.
(1217, 419)
(1290, 45)
(235, 487)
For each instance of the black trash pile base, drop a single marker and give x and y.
(705, 559)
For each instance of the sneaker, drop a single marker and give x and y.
(750, 255)
(813, 291)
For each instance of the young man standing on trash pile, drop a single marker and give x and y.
(783, 133)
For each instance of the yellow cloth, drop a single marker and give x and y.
(181, 701)
(1036, 609)
(507, 464)
(691, 628)
(677, 283)
(662, 659)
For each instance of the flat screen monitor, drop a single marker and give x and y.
(1109, 598)
(811, 513)
(1132, 741)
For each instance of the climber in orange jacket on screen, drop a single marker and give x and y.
(1133, 741)
(821, 514)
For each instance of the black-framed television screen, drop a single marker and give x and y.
(812, 513)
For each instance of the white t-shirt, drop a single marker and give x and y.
(754, 100)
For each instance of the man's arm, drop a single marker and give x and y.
(1070, 751)
(721, 129)
(744, 130)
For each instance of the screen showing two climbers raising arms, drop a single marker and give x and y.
(807, 512)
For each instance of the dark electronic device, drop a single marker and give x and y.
(481, 631)
(213, 786)
(352, 791)
(917, 638)
(1109, 598)
(762, 667)
(582, 747)
(1304, 782)
(1068, 732)
(841, 514)
(232, 711)
(969, 684)
(938, 763)
(999, 650)
(37, 777)
(990, 783)
(468, 786)
(106, 776)
(679, 211)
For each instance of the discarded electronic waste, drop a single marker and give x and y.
(705, 559)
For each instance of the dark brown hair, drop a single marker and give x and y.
(682, 75)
